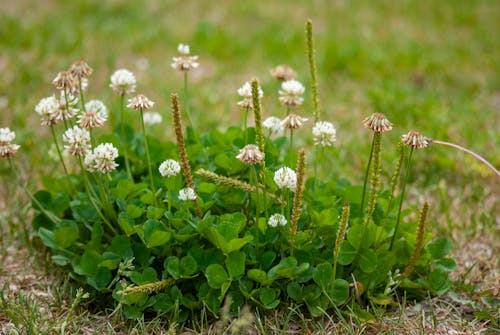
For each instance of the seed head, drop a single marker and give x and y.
(102, 159)
(169, 168)
(95, 114)
(123, 82)
(283, 73)
(377, 122)
(77, 141)
(250, 154)
(80, 69)
(277, 219)
(151, 118)
(140, 102)
(293, 121)
(415, 140)
(324, 133)
(291, 93)
(7, 148)
(65, 80)
(273, 125)
(186, 194)
(286, 178)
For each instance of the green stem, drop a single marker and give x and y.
(290, 149)
(257, 198)
(82, 100)
(61, 157)
(186, 100)
(245, 125)
(122, 135)
(312, 67)
(367, 173)
(403, 188)
(146, 147)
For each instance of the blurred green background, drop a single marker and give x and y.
(431, 66)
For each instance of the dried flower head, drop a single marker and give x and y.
(377, 122)
(324, 133)
(140, 102)
(75, 90)
(273, 125)
(47, 108)
(283, 73)
(7, 148)
(151, 118)
(186, 194)
(245, 92)
(250, 154)
(77, 141)
(277, 220)
(123, 82)
(95, 114)
(286, 178)
(80, 69)
(291, 93)
(102, 159)
(65, 80)
(169, 168)
(415, 140)
(293, 121)
(184, 62)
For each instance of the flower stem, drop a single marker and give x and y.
(82, 100)
(367, 173)
(122, 135)
(186, 100)
(146, 147)
(312, 68)
(61, 157)
(374, 176)
(403, 189)
(395, 176)
(255, 179)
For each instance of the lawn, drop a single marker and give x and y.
(431, 66)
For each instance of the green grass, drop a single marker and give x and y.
(431, 66)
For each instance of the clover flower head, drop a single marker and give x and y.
(140, 102)
(293, 121)
(47, 109)
(291, 93)
(102, 158)
(250, 154)
(283, 73)
(415, 140)
(324, 133)
(184, 62)
(169, 168)
(151, 118)
(378, 123)
(186, 194)
(245, 92)
(7, 148)
(77, 141)
(65, 80)
(80, 69)
(277, 220)
(286, 178)
(273, 125)
(75, 90)
(95, 114)
(123, 82)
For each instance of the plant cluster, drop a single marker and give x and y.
(179, 226)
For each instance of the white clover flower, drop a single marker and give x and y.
(187, 194)
(324, 133)
(151, 118)
(78, 141)
(67, 108)
(140, 102)
(293, 121)
(250, 154)
(245, 92)
(102, 159)
(169, 168)
(7, 149)
(183, 49)
(277, 219)
(47, 109)
(291, 93)
(80, 69)
(273, 125)
(65, 80)
(123, 82)
(286, 178)
(95, 114)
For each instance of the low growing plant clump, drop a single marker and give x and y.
(179, 227)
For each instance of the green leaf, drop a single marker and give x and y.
(155, 212)
(446, 264)
(340, 291)
(368, 260)
(188, 266)
(172, 265)
(439, 282)
(60, 260)
(268, 297)
(120, 245)
(47, 237)
(126, 223)
(237, 244)
(347, 253)
(134, 211)
(216, 275)
(259, 276)
(284, 268)
(355, 235)
(294, 291)
(323, 276)
(88, 264)
(439, 248)
(66, 233)
(235, 264)
(154, 234)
